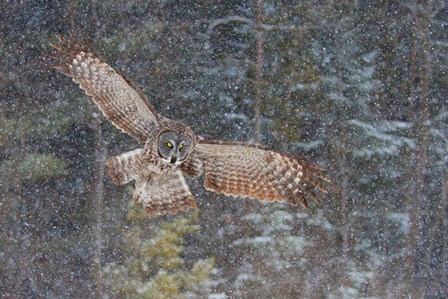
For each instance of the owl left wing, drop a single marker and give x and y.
(123, 103)
(235, 169)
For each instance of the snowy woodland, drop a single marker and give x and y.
(359, 88)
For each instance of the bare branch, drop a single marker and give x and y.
(228, 19)
(265, 27)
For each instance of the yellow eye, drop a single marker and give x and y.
(169, 144)
(181, 146)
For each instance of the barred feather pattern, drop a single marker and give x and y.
(166, 194)
(119, 100)
(126, 167)
(193, 167)
(238, 170)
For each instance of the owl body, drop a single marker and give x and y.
(155, 169)
(172, 151)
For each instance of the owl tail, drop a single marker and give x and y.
(164, 195)
(125, 167)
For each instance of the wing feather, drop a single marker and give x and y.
(238, 170)
(121, 102)
(126, 167)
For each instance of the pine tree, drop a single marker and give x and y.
(155, 267)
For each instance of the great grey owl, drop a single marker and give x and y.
(171, 150)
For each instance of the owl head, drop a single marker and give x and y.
(173, 147)
(172, 144)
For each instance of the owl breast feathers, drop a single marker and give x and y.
(170, 150)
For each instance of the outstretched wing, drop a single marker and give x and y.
(244, 170)
(120, 101)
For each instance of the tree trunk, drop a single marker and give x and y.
(98, 198)
(258, 72)
(444, 218)
(345, 229)
(98, 195)
(419, 113)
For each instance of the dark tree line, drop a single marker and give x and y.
(357, 87)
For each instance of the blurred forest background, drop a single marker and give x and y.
(357, 87)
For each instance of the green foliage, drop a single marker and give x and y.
(32, 124)
(12, 129)
(32, 168)
(156, 267)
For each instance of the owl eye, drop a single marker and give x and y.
(169, 144)
(181, 146)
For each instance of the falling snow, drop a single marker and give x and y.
(358, 88)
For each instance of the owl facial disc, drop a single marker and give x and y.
(173, 148)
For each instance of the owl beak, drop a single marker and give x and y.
(173, 159)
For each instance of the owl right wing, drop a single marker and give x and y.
(235, 169)
(123, 103)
